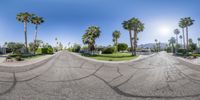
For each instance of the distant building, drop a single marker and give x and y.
(2, 50)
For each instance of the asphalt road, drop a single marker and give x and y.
(68, 77)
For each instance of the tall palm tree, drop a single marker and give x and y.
(172, 41)
(128, 26)
(181, 39)
(136, 26)
(90, 36)
(156, 41)
(198, 41)
(182, 26)
(36, 20)
(25, 18)
(188, 22)
(116, 35)
(176, 32)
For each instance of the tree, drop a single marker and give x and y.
(128, 26)
(192, 45)
(187, 23)
(156, 46)
(122, 46)
(172, 41)
(14, 47)
(25, 18)
(36, 20)
(176, 32)
(136, 26)
(90, 36)
(181, 39)
(116, 36)
(198, 41)
(182, 26)
(33, 46)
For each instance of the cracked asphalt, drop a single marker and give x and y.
(69, 77)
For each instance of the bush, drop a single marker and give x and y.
(122, 46)
(47, 50)
(76, 48)
(38, 51)
(109, 50)
(18, 58)
(50, 51)
(182, 51)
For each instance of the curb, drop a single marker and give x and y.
(111, 62)
(25, 68)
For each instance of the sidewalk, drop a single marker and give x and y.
(3, 58)
(192, 61)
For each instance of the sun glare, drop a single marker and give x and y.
(164, 30)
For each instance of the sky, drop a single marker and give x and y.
(68, 19)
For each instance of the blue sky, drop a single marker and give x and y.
(68, 19)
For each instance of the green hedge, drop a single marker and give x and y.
(109, 50)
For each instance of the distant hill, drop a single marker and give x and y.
(151, 45)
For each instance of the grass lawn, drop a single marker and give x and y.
(112, 57)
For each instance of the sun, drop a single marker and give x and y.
(164, 30)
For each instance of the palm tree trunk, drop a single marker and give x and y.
(25, 34)
(36, 31)
(130, 33)
(187, 38)
(135, 42)
(183, 38)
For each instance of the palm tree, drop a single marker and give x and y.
(176, 32)
(182, 26)
(172, 41)
(136, 26)
(37, 21)
(128, 26)
(198, 41)
(156, 45)
(116, 36)
(181, 39)
(188, 22)
(25, 18)
(90, 36)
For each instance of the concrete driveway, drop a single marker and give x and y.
(69, 77)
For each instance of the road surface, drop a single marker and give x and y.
(69, 77)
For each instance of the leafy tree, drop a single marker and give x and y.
(25, 18)
(14, 47)
(34, 46)
(76, 48)
(90, 36)
(122, 46)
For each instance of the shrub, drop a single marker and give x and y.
(18, 58)
(182, 51)
(76, 48)
(44, 50)
(50, 51)
(38, 51)
(109, 50)
(122, 46)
